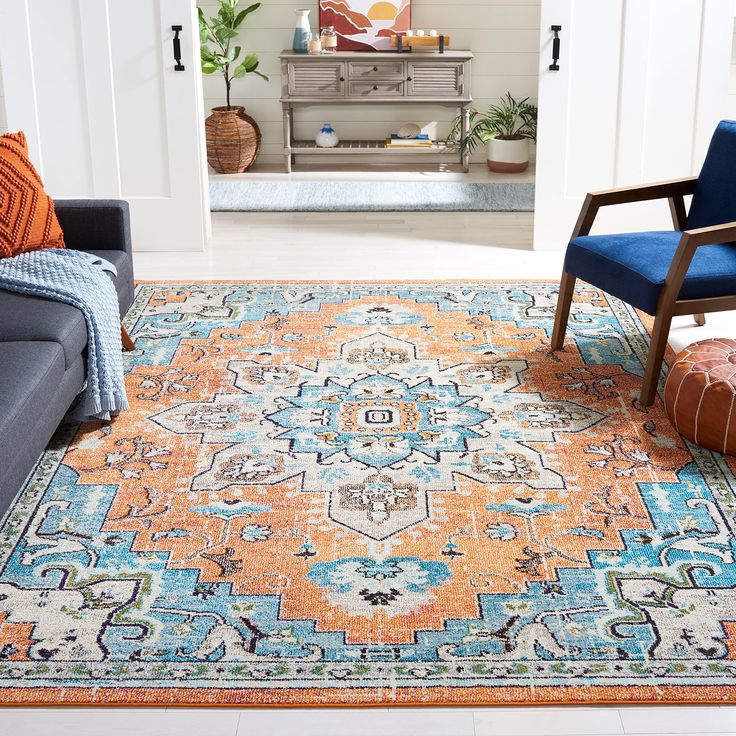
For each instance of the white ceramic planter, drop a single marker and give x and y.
(508, 156)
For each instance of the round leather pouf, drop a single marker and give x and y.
(700, 394)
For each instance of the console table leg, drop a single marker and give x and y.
(465, 156)
(288, 158)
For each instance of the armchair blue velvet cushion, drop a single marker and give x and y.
(714, 201)
(633, 266)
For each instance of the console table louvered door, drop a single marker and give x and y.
(373, 78)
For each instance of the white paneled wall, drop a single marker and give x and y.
(3, 119)
(503, 35)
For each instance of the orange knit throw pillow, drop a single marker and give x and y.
(27, 217)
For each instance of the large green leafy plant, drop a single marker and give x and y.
(216, 39)
(510, 120)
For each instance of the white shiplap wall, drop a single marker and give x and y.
(3, 118)
(503, 35)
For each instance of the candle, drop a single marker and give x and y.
(314, 44)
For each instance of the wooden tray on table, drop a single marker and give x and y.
(420, 41)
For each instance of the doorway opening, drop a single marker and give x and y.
(392, 113)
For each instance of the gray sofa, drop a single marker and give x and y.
(43, 342)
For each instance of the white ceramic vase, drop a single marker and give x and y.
(327, 138)
(508, 156)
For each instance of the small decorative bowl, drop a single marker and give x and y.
(410, 130)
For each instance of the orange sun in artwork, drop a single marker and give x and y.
(382, 11)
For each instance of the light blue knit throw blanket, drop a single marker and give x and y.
(69, 276)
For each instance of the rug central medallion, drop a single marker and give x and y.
(331, 493)
(377, 429)
(378, 420)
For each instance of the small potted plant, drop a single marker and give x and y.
(233, 138)
(505, 129)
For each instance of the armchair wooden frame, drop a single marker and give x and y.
(668, 304)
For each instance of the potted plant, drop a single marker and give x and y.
(233, 138)
(505, 129)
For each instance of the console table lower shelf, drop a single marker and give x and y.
(368, 147)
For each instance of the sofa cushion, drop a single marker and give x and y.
(34, 318)
(19, 452)
(124, 281)
(32, 372)
(633, 266)
(27, 217)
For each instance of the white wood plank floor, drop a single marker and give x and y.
(385, 246)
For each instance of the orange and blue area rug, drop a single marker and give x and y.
(373, 493)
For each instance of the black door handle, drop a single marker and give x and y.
(554, 66)
(178, 67)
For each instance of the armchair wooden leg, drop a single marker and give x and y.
(127, 341)
(699, 319)
(562, 313)
(657, 346)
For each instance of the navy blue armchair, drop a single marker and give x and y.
(688, 270)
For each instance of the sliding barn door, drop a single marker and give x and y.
(95, 86)
(640, 86)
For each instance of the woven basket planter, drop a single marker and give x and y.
(233, 140)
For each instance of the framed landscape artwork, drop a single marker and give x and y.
(365, 25)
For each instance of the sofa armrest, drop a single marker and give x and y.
(95, 224)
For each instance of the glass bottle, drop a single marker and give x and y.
(301, 31)
(329, 39)
(314, 44)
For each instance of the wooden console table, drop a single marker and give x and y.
(372, 78)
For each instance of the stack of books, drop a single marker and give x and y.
(418, 141)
